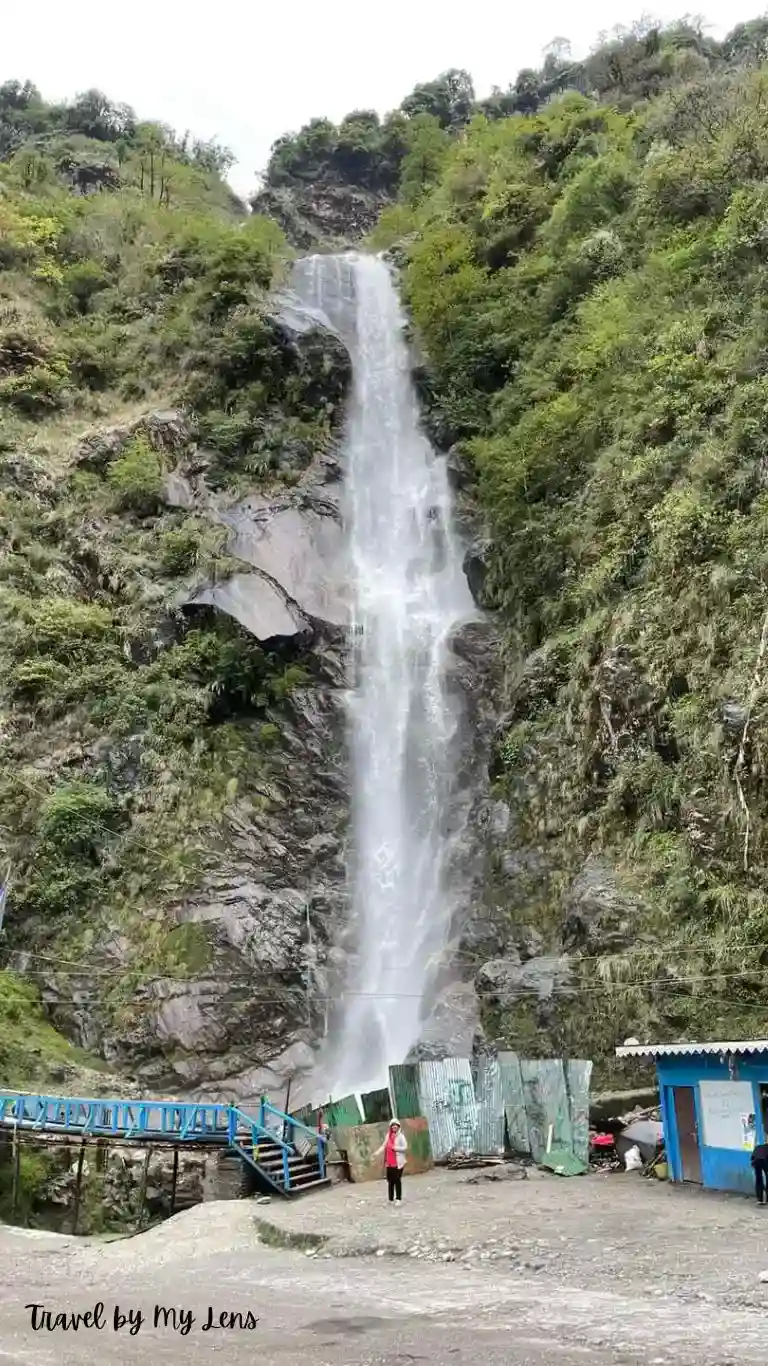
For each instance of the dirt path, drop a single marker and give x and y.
(610, 1271)
(603, 1231)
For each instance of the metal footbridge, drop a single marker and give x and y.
(286, 1155)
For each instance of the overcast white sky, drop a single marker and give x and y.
(246, 71)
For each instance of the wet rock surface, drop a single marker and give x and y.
(271, 898)
(599, 913)
(504, 980)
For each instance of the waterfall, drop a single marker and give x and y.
(408, 592)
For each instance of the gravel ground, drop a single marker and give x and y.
(614, 1271)
(602, 1231)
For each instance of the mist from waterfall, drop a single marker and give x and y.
(408, 593)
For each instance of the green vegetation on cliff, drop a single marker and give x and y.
(133, 332)
(590, 282)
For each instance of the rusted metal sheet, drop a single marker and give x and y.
(489, 1135)
(514, 1103)
(361, 1143)
(578, 1075)
(447, 1100)
(404, 1090)
(376, 1106)
(419, 1156)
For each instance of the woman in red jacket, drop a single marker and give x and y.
(394, 1149)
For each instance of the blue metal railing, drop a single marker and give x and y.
(182, 1122)
(290, 1125)
(130, 1118)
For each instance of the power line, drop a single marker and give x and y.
(450, 958)
(239, 994)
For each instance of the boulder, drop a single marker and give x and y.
(169, 430)
(734, 715)
(508, 979)
(256, 604)
(476, 569)
(459, 469)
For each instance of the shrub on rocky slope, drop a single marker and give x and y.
(590, 284)
(148, 740)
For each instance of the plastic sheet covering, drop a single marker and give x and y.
(489, 1135)
(578, 1075)
(514, 1103)
(447, 1097)
(404, 1091)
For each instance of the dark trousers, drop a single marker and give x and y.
(395, 1183)
(761, 1179)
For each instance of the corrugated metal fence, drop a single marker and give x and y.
(448, 1103)
(508, 1104)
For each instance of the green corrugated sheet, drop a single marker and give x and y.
(416, 1131)
(514, 1104)
(376, 1106)
(404, 1088)
(546, 1105)
(344, 1112)
(554, 1095)
(578, 1075)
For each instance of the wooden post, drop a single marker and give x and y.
(16, 1168)
(174, 1179)
(78, 1185)
(143, 1189)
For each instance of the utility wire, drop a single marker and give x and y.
(603, 989)
(450, 958)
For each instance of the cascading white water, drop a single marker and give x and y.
(408, 593)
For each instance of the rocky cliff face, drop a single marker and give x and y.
(322, 216)
(226, 1012)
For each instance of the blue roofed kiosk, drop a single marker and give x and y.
(714, 1108)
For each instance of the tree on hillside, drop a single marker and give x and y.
(358, 141)
(449, 99)
(23, 115)
(95, 116)
(302, 155)
(748, 43)
(428, 144)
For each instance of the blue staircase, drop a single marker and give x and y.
(266, 1142)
